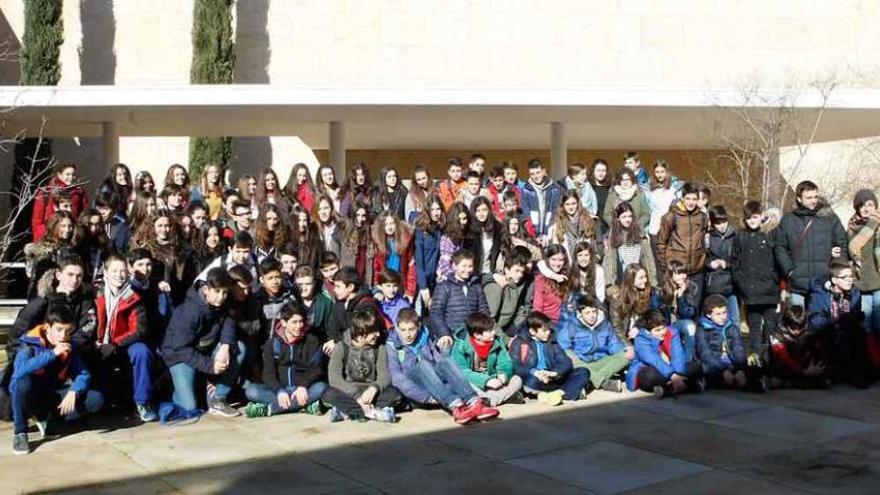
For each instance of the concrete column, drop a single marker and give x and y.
(110, 135)
(558, 150)
(337, 149)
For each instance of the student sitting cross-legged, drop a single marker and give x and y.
(292, 368)
(591, 342)
(424, 375)
(660, 365)
(482, 358)
(360, 384)
(49, 378)
(797, 359)
(720, 349)
(543, 366)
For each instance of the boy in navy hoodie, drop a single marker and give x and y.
(660, 364)
(591, 342)
(44, 364)
(543, 366)
(293, 369)
(721, 351)
(201, 341)
(425, 376)
(836, 315)
(391, 302)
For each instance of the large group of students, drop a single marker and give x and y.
(362, 300)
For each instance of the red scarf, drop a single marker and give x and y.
(481, 349)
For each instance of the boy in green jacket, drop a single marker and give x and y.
(484, 361)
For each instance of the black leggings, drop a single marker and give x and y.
(389, 397)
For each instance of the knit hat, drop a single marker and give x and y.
(862, 197)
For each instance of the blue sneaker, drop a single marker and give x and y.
(147, 413)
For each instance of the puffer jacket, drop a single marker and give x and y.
(129, 323)
(754, 267)
(585, 342)
(453, 301)
(681, 238)
(37, 357)
(719, 347)
(667, 356)
(720, 247)
(403, 358)
(802, 259)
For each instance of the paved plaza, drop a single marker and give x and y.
(784, 442)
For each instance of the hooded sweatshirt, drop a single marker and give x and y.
(292, 363)
(588, 342)
(36, 357)
(354, 369)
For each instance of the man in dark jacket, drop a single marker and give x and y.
(719, 260)
(807, 239)
(201, 339)
(455, 299)
(756, 278)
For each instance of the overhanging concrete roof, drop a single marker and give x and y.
(417, 119)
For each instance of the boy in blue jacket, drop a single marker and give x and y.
(591, 342)
(721, 351)
(660, 365)
(44, 364)
(543, 366)
(201, 340)
(455, 299)
(836, 317)
(425, 376)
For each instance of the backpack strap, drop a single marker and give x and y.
(800, 241)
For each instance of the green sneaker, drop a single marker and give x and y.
(314, 409)
(257, 410)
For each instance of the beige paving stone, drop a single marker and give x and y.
(793, 424)
(700, 406)
(46, 469)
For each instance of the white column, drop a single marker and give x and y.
(558, 150)
(337, 149)
(110, 135)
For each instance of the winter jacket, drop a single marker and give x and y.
(340, 317)
(447, 191)
(720, 247)
(524, 352)
(826, 307)
(497, 363)
(507, 305)
(681, 238)
(686, 307)
(129, 323)
(396, 203)
(44, 210)
(639, 203)
(497, 196)
(719, 347)
(427, 256)
(538, 199)
(407, 267)
(36, 357)
(390, 309)
(402, 358)
(585, 342)
(863, 244)
(269, 309)
(292, 364)
(613, 266)
(195, 329)
(667, 356)
(546, 300)
(804, 256)
(80, 304)
(473, 242)
(753, 267)
(354, 369)
(585, 192)
(453, 301)
(119, 233)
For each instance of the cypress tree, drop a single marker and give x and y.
(40, 45)
(213, 62)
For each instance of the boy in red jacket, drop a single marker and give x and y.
(122, 332)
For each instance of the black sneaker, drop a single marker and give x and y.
(659, 392)
(613, 385)
(20, 445)
(221, 408)
(517, 398)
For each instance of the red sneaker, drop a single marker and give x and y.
(464, 414)
(485, 412)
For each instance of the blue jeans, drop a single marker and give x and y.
(687, 330)
(260, 392)
(141, 358)
(871, 308)
(733, 310)
(184, 378)
(37, 394)
(571, 385)
(443, 381)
